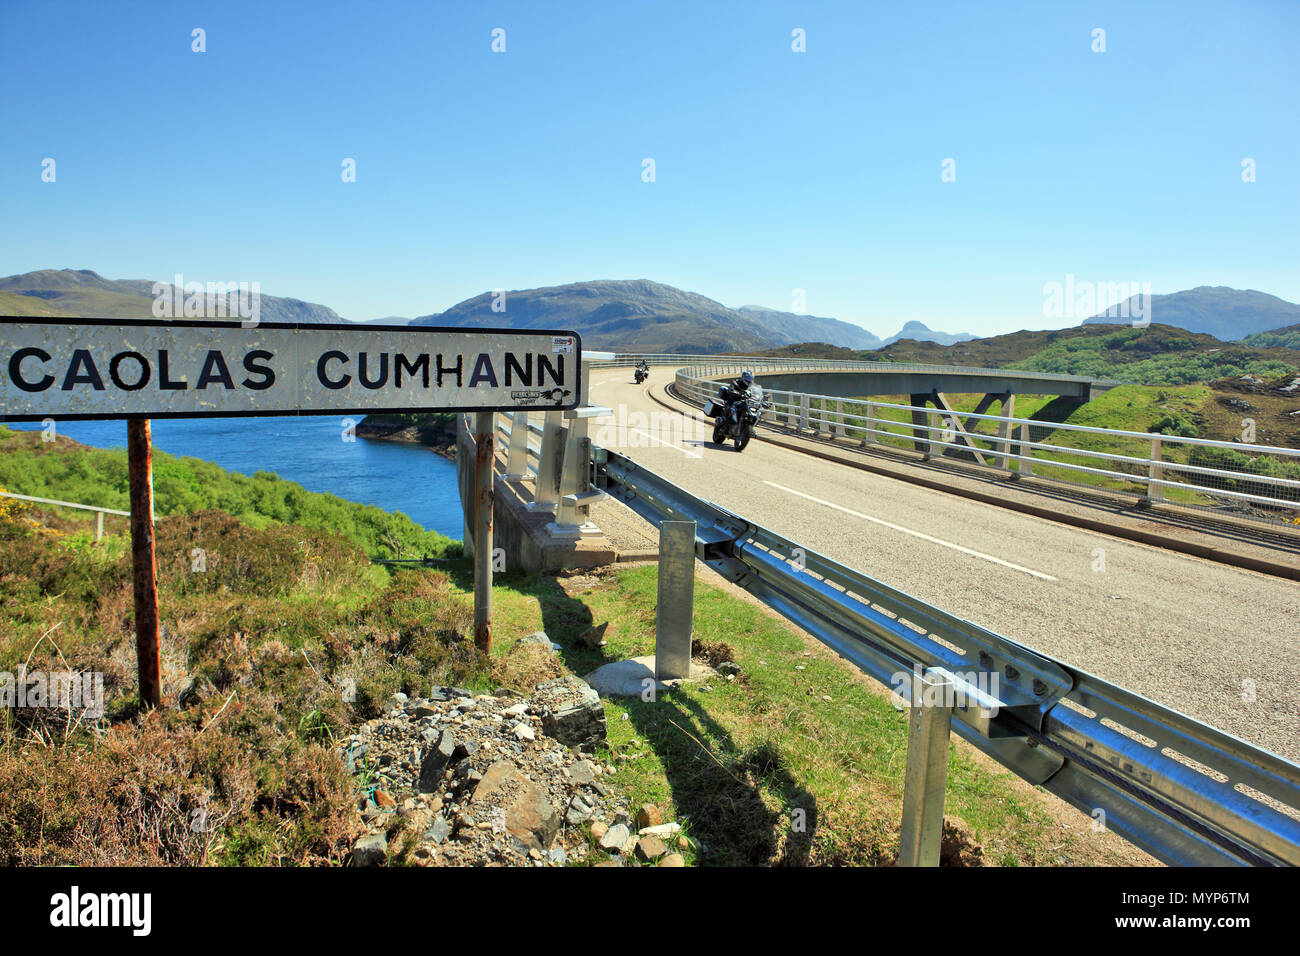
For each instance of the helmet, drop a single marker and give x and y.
(747, 376)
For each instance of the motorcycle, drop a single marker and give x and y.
(735, 414)
(641, 374)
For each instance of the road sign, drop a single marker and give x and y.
(142, 369)
(117, 368)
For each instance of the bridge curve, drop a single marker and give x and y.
(851, 379)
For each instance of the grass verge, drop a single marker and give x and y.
(799, 761)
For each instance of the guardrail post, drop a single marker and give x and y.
(869, 437)
(675, 608)
(1156, 492)
(791, 413)
(573, 511)
(517, 461)
(99, 526)
(929, 725)
(1026, 453)
(803, 412)
(573, 475)
(547, 490)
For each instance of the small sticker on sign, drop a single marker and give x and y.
(562, 345)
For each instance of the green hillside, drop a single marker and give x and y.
(1156, 355)
(69, 471)
(1286, 338)
(82, 292)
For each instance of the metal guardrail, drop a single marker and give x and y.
(99, 517)
(1179, 789)
(1149, 464)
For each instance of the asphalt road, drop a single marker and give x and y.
(1194, 635)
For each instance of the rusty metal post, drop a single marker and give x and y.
(483, 494)
(144, 564)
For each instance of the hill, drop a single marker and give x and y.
(1227, 314)
(811, 328)
(641, 315)
(1156, 355)
(635, 314)
(81, 292)
(1287, 337)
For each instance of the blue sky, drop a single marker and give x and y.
(774, 170)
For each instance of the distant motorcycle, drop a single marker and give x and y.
(642, 373)
(735, 414)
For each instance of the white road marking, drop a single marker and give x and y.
(915, 534)
(692, 452)
(611, 421)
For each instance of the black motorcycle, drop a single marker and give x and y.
(641, 374)
(735, 414)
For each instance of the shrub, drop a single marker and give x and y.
(1175, 426)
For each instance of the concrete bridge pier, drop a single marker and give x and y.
(920, 421)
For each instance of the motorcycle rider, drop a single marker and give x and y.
(748, 388)
(730, 422)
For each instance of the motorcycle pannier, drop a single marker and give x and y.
(713, 408)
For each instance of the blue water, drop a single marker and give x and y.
(311, 451)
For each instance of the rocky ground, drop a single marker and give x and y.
(458, 779)
(439, 441)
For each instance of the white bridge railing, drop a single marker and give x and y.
(1164, 468)
(555, 455)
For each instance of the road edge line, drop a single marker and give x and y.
(1191, 548)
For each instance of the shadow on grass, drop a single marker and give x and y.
(718, 788)
(742, 807)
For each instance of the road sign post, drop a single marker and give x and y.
(142, 369)
(483, 458)
(144, 566)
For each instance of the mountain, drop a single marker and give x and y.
(1227, 314)
(811, 328)
(81, 292)
(628, 314)
(919, 332)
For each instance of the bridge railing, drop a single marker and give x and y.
(1258, 482)
(553, 453)
(716, 364)
(1181, 790)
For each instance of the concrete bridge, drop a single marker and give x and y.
(858, 383)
